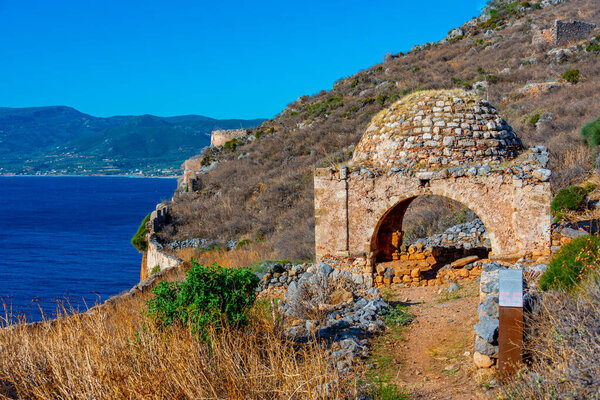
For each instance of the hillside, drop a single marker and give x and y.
(264, 189)
(63, 140)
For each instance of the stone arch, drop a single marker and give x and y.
(444, 143)
(402, 202)
(350, 205)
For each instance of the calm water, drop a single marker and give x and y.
(68, 237)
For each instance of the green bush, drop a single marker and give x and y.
(571, 264)
(535, 118)
(139, 239)
(155, 270)
(207, 298)
(572, 76)
(569, 198)
(232, 144)
(591, 132)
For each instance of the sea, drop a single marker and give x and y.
(66, 240)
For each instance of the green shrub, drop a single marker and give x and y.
(382, 99)
(242, 243)
(327, 105)
(572, 76)
(571, 264)
(535, 118)
(155, 270)
(591, 133)
(232, 144)
(139, 239)
(569, 198)
(209, 296)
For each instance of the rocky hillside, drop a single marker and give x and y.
(543, 84)
(62, 140)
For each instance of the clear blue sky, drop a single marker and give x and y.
(224, 59)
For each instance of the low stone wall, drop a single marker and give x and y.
(156, 257)
(421, 265)
(221, 136)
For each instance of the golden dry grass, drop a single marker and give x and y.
(115, 352)
(235, 258)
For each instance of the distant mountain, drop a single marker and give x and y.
(60, 139)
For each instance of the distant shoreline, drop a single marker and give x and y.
(91, 176)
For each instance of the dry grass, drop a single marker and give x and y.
(235, 258)
(115, 352)
(564, 347)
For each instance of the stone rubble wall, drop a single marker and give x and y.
(430, 267)
(467, 236)
(571, 31)
(336, 307)
(221, 136)
(564, 33)
(279, 276)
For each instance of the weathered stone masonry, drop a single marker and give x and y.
(444, 143)
(350, 211)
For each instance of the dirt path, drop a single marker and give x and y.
(432, 357)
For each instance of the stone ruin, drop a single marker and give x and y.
(564, 32)
(444, 143)
(449, 144)
(221, 136)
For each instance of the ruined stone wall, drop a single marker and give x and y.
(155, 256)
(221, 136)
(570, 32)
(348, 211)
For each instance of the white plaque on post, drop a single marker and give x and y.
(510, 288)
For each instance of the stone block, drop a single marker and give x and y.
(487, 329)
(464, 261)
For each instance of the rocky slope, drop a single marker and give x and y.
(262, 189)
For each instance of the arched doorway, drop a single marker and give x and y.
(454, 233)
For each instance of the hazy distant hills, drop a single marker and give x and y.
(60, 139)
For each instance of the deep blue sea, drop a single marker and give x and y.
(68, 237)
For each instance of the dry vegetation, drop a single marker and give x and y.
(264, 189)
(564, 348)
(235, 258)
(116, 352)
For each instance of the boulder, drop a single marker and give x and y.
(487, 329)
(482, 361)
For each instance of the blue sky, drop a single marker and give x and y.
(224, 59)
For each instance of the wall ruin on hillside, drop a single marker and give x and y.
(221, 136)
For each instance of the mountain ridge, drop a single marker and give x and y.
(63, 140)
